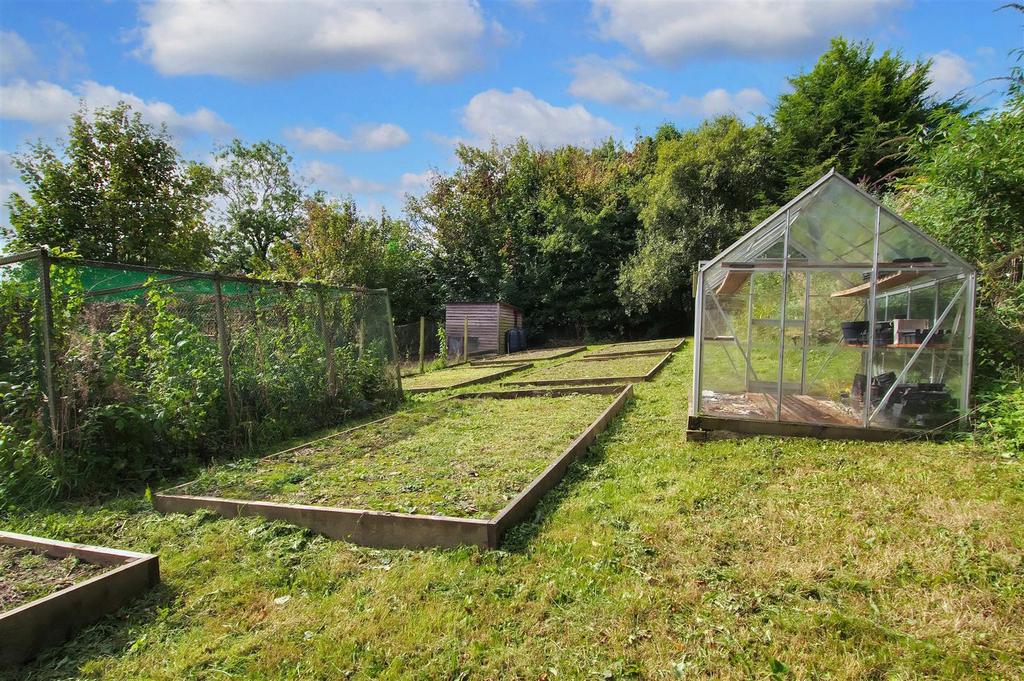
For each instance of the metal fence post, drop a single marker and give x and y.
(50, 383)
(423, 341)
(225, 351)
(332, 376)
(465, 339)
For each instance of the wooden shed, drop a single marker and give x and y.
(488, 323)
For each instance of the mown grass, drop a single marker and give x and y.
(531, 355)
(445, 378)
(654, 558)
(465, 458)
(611, 368)
(638, 346)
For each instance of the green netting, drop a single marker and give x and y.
(140, 380)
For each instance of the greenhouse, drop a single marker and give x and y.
(833, 317)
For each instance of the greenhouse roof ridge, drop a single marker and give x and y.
(808, 195)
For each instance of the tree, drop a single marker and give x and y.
(543, 230)
(263, 204)
(117, 190)
(967, 190)
(708, 187)
(335, 244)
(849, 112)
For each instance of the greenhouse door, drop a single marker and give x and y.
(764, 334)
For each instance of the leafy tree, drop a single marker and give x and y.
(264, 204)
(544, 230)
(848, 112)
(708, 187)
(335, 244)
(968, 191)
(117, 190)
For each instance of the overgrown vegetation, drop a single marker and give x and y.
(139, 380)
(654, 558)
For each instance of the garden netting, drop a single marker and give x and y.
(151, 369)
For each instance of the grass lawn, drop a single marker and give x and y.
(639, 346)
(445, 378)
(531, 355)
(619, 366)
(465, 458)
(654, 558)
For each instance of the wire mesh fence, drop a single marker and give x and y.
(114, 368)
(418, 340)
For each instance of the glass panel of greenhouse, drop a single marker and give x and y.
(834, 312)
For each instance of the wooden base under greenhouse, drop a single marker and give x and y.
(703, 428)
(403, 530)
(28, 629)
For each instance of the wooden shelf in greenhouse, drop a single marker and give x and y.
(733, 282)
(887, 282)
(900, 346)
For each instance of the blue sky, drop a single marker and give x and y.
(371, 96)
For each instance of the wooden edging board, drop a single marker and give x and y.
(510, 359)
(382, 529)
(702, 426)
(525, 501)
(595, 381)
(626, 352)
(28, 629)
(471, 381)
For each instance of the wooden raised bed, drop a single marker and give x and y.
(625, 351)
(472, 381)
(28, 629)
(383, 529)
(600, 380)
(554, 353)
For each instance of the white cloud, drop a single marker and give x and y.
(370, 194)
(48, 104)
(950, 73)
(379, 136)
(719, 101)
(10, 182)
(254, 40)
(669, 31)
(415, 183)
(320, 139)
(41, 103)
(334, 180)
(603, 80)
(506, 116)
(366, 137)
(15, 54)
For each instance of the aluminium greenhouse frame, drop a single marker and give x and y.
(793, 278)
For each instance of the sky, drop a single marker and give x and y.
(372, 97)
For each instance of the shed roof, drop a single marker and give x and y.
(485, 302)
